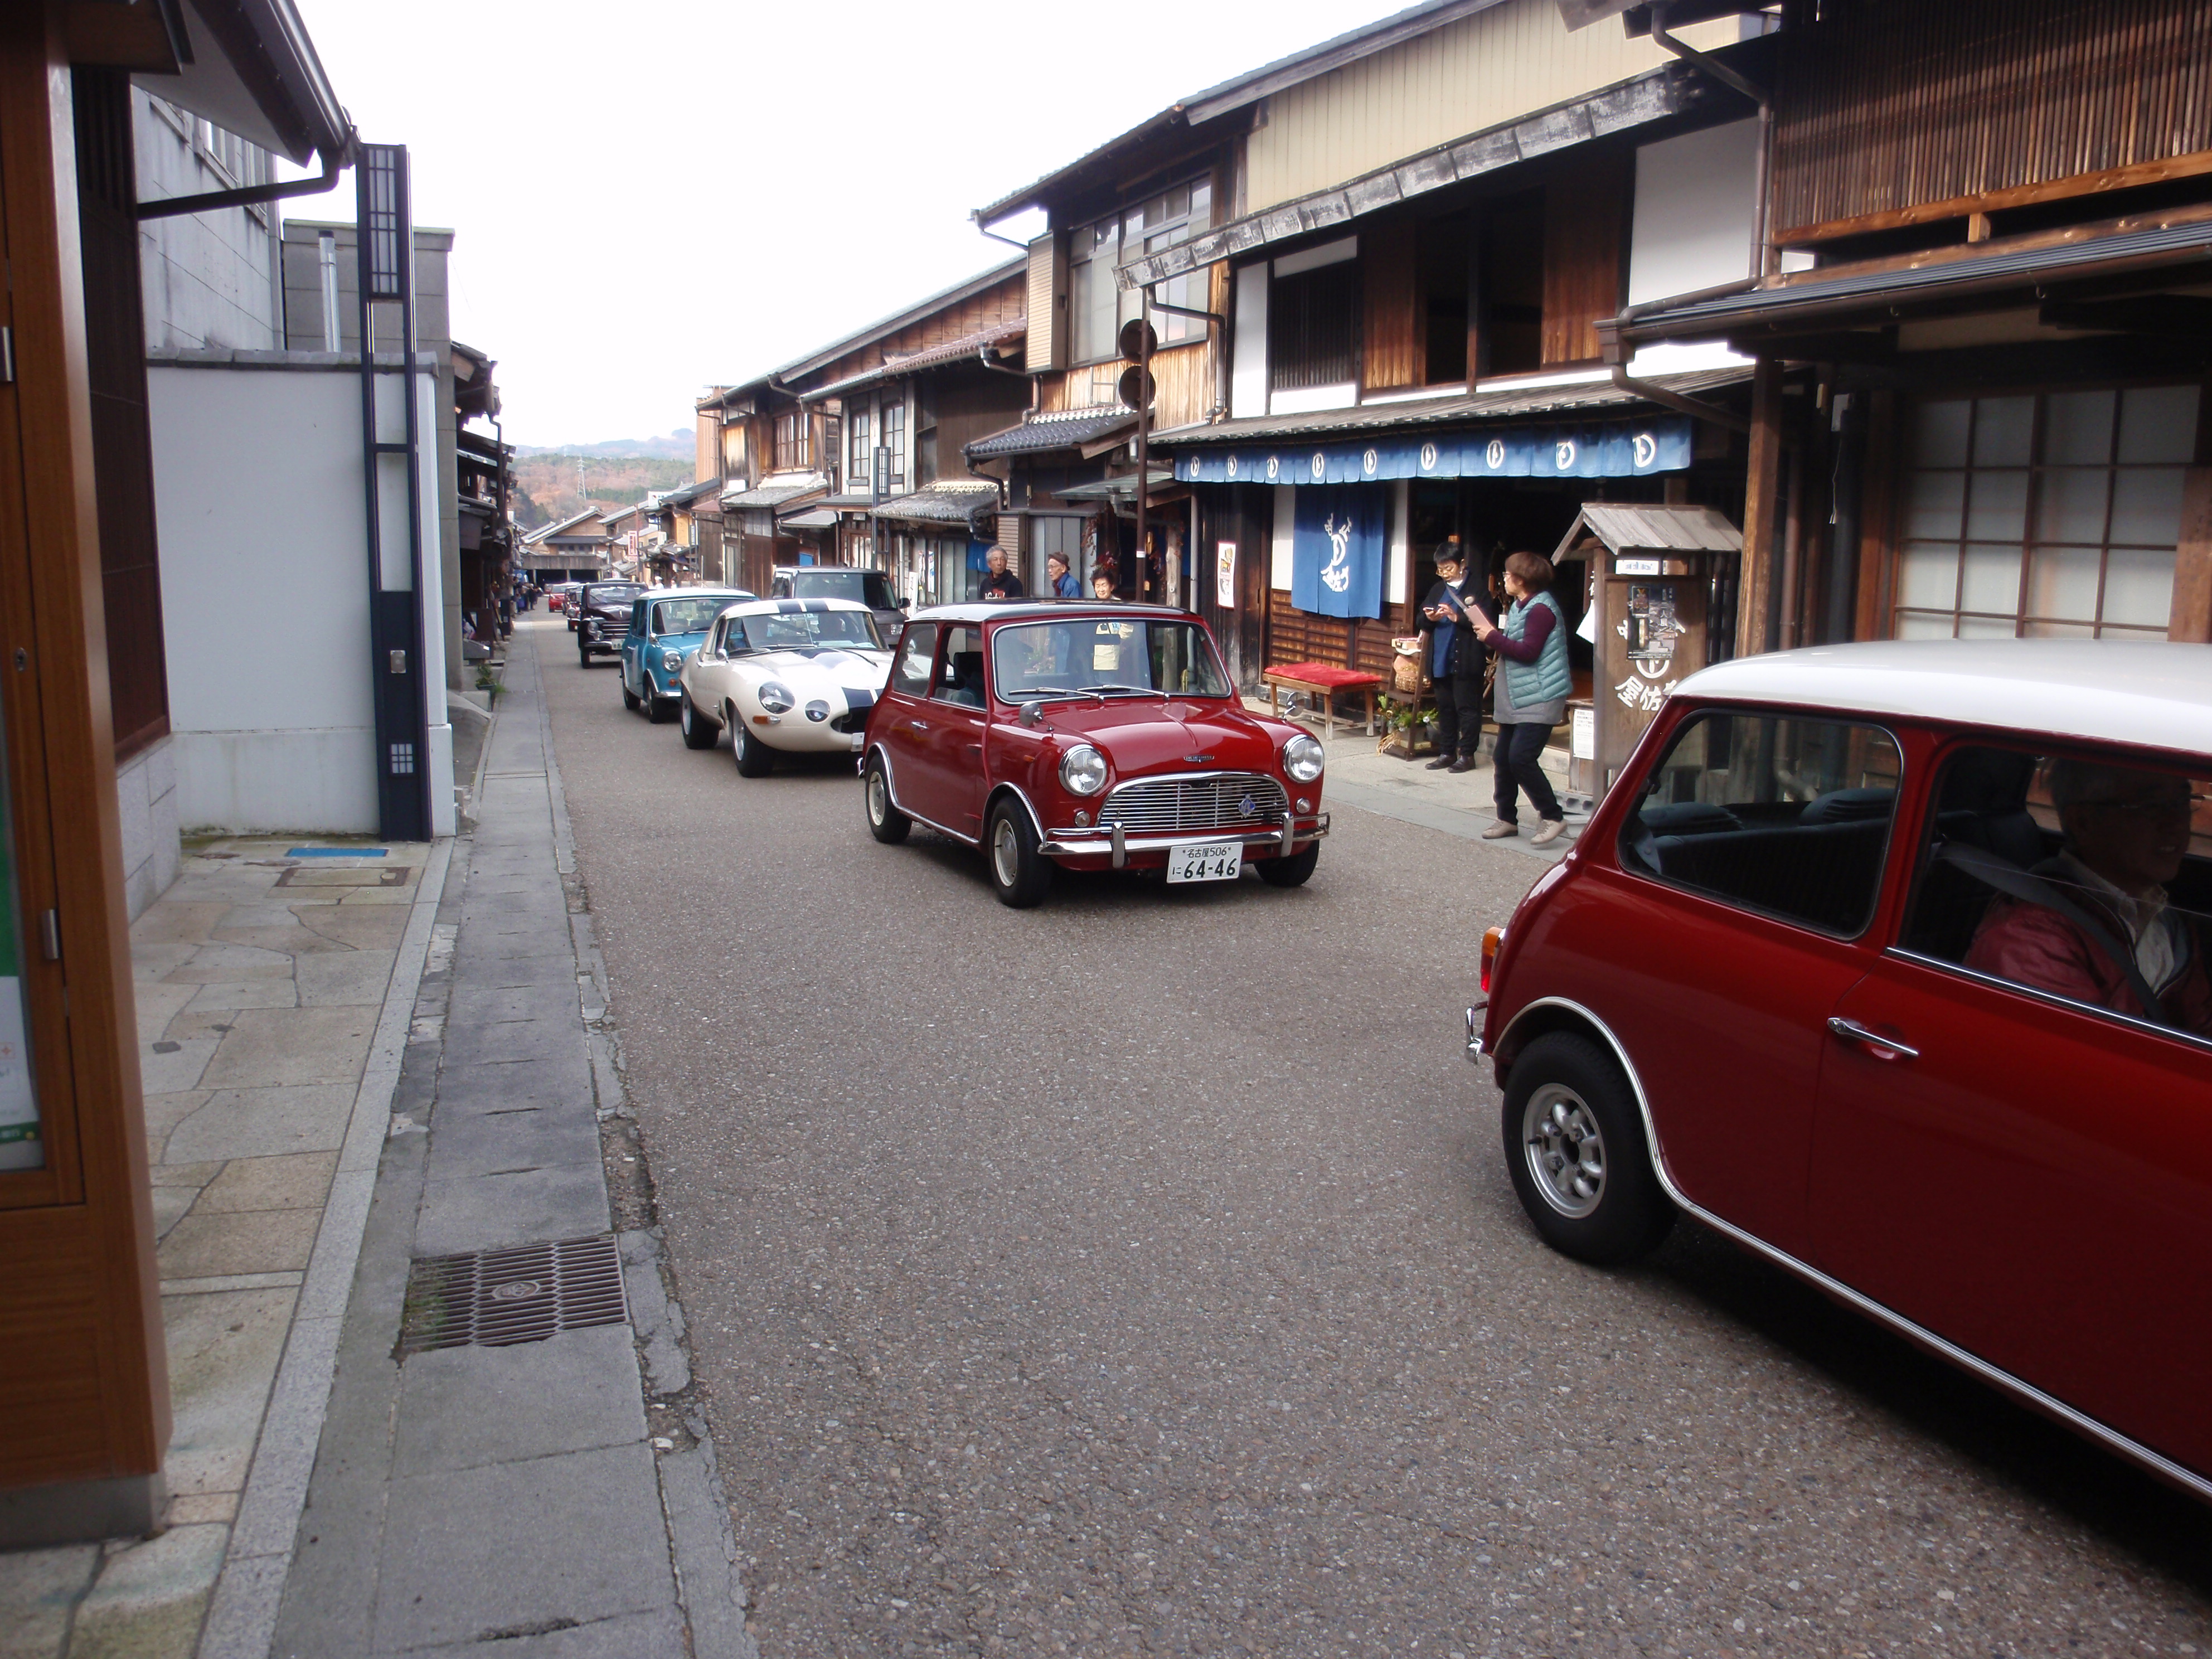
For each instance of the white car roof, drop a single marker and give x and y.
(2149, 693)
(790, 607)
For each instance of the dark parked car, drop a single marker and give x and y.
(602, 618)
(836, 582)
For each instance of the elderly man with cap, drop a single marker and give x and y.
(1453, 618)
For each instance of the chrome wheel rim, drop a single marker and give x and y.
(684, 717)
(1565, 1151)
(1006, 853)
(879, 801)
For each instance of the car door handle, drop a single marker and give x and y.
(918, 725)
(1884, 1048)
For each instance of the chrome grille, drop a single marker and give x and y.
(1153, 805)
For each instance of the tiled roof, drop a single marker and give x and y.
(947, 502)
(1067, 428)
(1503, 404)
(775, 495)
(951, 351)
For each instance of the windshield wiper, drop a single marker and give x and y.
(1036, 692)
(1137, 690)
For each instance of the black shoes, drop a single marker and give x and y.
(1438, 763)
(1464, 763)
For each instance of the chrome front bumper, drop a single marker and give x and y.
(1118, 845)
(1474, 1029)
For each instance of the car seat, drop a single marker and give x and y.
(1983, 804)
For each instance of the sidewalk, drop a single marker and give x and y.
(1458, 804)
(354, 1063)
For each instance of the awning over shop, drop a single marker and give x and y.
(1615, 450)
(817, 518)
(1622, 528)
(1120, 489)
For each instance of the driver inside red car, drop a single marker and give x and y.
(2127, 832)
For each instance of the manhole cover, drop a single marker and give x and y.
(494, 1298)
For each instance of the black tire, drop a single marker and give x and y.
(1568, 1113)
(658, 711)
(583, 656)
(1290, 871)
(755, 758)
(885, 822)
(1020, 875)
(698, 732)
(631, 701)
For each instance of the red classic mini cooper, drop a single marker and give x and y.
(1094, 736)
(1889, 961)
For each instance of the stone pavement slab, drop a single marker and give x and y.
(462, 1408)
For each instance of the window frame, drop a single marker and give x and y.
(907, 640)
(2026, 623)
(1131, 240)
(1947, 752)
(1635, 868)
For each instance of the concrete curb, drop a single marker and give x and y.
(703, 1546)
(242, 1619)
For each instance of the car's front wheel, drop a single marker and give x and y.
(755, 758)
(1020, 874)
(1291, 870)
(583, 653)
(659, 710)
(885, 822)
(630, 699)
(1574, 1144)
(697, 734)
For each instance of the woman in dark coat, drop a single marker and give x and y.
(1452, 619)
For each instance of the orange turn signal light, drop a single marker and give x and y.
(1492, 938)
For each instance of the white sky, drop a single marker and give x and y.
(652, 196)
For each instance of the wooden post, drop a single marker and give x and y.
(84, 1396)
(1756, 586)
(2192, 618)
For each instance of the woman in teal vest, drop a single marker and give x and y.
(1533, 683)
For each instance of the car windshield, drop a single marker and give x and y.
(1107, 656)
(691, 615)
(613, 593)
(807, 630)
(865, 585)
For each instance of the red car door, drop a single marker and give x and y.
(902, 723)
(2027, 1177)
(952, 738)
(1749, 872)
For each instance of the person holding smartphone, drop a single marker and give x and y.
(1452, 620)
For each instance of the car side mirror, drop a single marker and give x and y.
(904, 603)
(1030, 713)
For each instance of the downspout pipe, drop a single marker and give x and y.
(169, 207)
(1222, 367)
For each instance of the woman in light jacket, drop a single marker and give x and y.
(1534, 681)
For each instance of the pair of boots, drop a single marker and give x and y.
(1448, 763)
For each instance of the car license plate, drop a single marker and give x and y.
(860, 741)
(1205, 861)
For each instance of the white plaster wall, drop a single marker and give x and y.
(1692, 223)
(1247, 365)
(264, 594)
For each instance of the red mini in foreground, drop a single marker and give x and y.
(1091, 735)
(1889, 961)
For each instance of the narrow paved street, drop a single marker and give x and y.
(1139, 1275)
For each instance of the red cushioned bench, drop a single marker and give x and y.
(1324, 682)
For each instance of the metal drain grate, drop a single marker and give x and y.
(494, 1298)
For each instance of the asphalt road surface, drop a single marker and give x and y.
(1139, 1275)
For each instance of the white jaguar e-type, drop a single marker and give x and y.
(798, 675)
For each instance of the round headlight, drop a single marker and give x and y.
(672, 660)
(1083, 769)
(777, 699)
(818, 710)
(1302, 757)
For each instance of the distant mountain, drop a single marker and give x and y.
(677, 445)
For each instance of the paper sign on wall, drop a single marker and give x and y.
(1224, 575)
